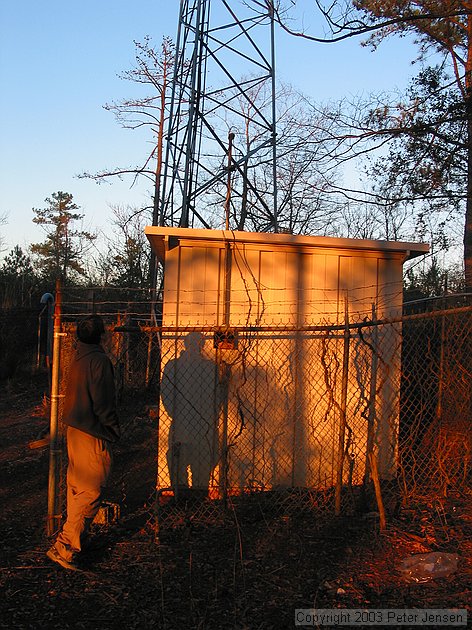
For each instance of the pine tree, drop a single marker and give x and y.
(61, 254)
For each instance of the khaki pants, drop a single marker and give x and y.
(90, 461)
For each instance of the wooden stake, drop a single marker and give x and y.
(378, 494)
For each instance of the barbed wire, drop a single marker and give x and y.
(278, 423)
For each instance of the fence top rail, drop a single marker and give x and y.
(365, 323)
(438, 298)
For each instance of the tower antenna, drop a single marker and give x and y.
(224, 82)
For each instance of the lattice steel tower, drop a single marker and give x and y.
(220, 151)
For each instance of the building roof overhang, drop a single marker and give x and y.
(163, 239)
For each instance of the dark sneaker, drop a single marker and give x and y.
(55, 556)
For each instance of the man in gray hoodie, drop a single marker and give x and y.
(92, 425)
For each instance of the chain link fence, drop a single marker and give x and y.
(131, 492)
(283, 418)
(436, 402)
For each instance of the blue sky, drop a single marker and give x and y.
(59, 63)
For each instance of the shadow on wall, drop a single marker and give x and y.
(191, 396)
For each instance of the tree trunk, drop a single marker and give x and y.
(468, 210)
(156, 219)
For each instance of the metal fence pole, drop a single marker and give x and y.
(343, 407)
(225, 379)
(53, 518)
(372, 413)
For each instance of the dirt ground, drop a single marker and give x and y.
(249, 571)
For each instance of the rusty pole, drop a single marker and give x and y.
(55, 452)
(343, 409)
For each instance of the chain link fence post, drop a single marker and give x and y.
(55, 451)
